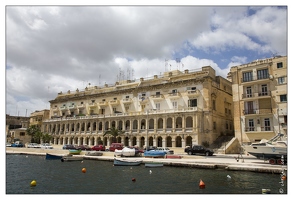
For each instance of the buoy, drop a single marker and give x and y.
(284, 177)
(83, 170)
(81, 161)
(228, 176)
(150, 171)
(201, 184)
(33, 183)
(133, 179)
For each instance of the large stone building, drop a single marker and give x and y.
(176, 109)
(260, 99)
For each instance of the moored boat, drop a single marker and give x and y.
(154, 154)
(53, 156)
(127, 152)
(94, 153)
(74, 151)
(153, 164)
(126, 162)
(71, 158)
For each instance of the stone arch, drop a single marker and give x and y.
(134, 141)
(100, 126)
(143, 124)
(107, 125)
(188, 141)
(189, 122)
(178, 141)
(94, 126)
(168, 141)
(135, 124)
(178, 123)
(120, 125)
(169, 122)
(160, 141)
(160, 123)
(151, 124)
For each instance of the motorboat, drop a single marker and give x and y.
(127, 152)
(273, 150)
(126, 162)
(71, 158)
(154, 153)
(153, 164)
(53, 156)
(93, 153)
(74, 151)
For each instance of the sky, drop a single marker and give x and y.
(51, 49)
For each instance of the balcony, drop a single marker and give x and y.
(256, 95)
(126, 100)
(174, 95)
(114, 102)
(92, 104)
(103, 103)
(72, 107)
(255, 78)
(257, 111)
(80, 106)
(157, 97)
(63, 107)
(193, 93)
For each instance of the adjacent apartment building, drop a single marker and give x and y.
(260, 99)
(176, 109)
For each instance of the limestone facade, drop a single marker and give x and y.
(176, 109)
(260, 99)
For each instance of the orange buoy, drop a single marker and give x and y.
(33, 183)
(284, 177)
(83, 170)
(133, 179)
(201, 184)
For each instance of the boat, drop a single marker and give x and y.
(153, 164)
(154, 154)
(71, 158)
(127, 152)
(126, 162)
(273, 150)
(53, 156)
(74, 151)
(173, 156)
(94, 153)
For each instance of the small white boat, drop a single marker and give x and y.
(153, 164)
(71, 158)
(126, 162)
(127, 152)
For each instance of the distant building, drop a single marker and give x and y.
(37, 117)
(175, 109)
(16, 128)
(260, 99)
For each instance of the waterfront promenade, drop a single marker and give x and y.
(217, 161)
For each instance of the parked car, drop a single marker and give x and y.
(166, 149)
(46, 146)
(99, 147)
(198, 149)
(33, 145)
(17, 144)
(114, 146)
(84, 147)
(8, 144)
(69, 146)
(150, 148)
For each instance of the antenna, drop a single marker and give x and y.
(178, 61)
(166, 65)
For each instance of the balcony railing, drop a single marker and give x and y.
(157, 96)
(256, 94)
(63, 107)
(255, 78)
(114, 102)
(193, 92)
(257, 111)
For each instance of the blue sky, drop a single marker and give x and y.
(50, 49)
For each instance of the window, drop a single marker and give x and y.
(283, 98)
(262, 74)
(158, 106)
(81, 103)
(115, 98)
(247, 76)
(191, 88)
(248, 92)
(214, 104)
(214, 125)
(264, 90)
(250, 125)
(281, 80)
(174, 103)
(192, 103)
(127, 97)
(93, 101)
(174, 91)
(72, 104)
(126, 108)
(227, 126)
(114, 110)
(104, 100)
(267, 124)
(280, 65)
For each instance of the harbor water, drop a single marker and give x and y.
(101, 177)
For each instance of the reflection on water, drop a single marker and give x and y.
(101, 177)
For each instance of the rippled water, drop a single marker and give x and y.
(101, 177)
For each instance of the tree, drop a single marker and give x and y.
(46, 138)
(114, 132)
(35, 133)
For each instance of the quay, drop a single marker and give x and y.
(233, 162)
